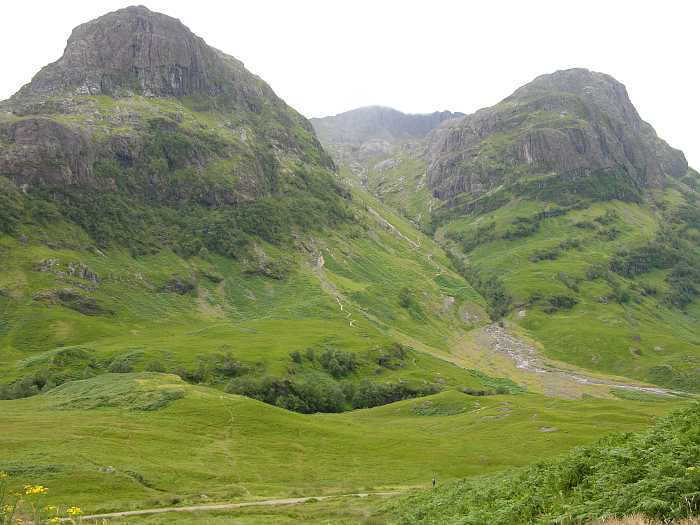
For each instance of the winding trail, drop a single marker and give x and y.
(228, 506)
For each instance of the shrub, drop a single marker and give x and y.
(472, 239)
(11, 206)
(155, 366)
(228, 366)
(338, 363)
(408, 301)
(120, 365)
(560, 302)
(522, 227)
(368, 394)
(392, 356)
(490, 287)
(609, 217)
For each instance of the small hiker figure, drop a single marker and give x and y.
(434, 482)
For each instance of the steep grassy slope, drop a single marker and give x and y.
(653, 473)
(72, 310)
(122, 441)
(601, 284)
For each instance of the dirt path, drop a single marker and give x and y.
(527, 359)
(227, 506)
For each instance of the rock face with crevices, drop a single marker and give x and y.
(132, 85)
(574, 122)
(137, 50)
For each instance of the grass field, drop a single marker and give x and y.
(123, 441)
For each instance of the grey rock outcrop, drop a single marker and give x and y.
(573, 121)
(54, 131)
(43, 151)
(137, 50)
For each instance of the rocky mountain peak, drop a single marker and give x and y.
(133, 56)
(573, 122)
(135, 50)
(596, 90)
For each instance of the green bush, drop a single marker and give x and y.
(560, 302)
(409, 301)
(392, 357)
(367, 394)
(338, 363)
(228, 366)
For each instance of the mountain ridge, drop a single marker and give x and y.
(378, 122)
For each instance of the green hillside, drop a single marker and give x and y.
(72, 310)
(604, 284)
(570, 216)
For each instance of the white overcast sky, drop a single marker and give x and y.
(327, 56)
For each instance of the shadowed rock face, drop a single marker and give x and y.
(574, 121)
(45, 152)
(136, 50)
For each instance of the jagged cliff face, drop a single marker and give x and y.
(574, 122)
(134, 50)
(137, 90)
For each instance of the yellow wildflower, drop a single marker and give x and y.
(74, 511)
(692, 469)
(4, 475)
(7, 509)
(55, 519)
(33, 490)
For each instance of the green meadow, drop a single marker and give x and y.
(128, 441)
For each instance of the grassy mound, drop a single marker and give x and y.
(130, 391)
(654, 473)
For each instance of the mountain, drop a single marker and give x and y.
(577, 223)
(108, 104)
(151, 185)
(377, 123)
(197, 304)
(377, 147)
(577, 123)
